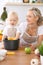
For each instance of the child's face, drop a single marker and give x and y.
(13, 21)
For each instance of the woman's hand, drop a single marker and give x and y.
(32, 47)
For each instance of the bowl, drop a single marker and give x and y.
(11, 44)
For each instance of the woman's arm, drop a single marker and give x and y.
(40, 39)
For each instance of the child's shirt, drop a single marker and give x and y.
(10, 31)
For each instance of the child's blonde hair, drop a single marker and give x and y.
(14, 14)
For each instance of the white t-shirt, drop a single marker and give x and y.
(23, 26)
(40, 30)
(10, 30)
(22, 29)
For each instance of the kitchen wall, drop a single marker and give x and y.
(2, 4)
(22, 10)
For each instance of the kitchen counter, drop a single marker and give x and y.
(19, 58)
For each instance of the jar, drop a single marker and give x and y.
(32, 1)
(25, 1)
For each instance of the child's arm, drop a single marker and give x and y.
(17, 36)
(18, 33)
(4, 33)
(3, 38)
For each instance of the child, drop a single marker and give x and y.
(11, 29)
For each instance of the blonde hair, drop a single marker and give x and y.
(36, 12)
(14, 14)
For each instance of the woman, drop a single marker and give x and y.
(32, 30)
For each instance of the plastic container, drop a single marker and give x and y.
(11, 44)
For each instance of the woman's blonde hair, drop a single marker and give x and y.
(37, 12)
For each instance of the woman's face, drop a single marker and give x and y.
(31, 19)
